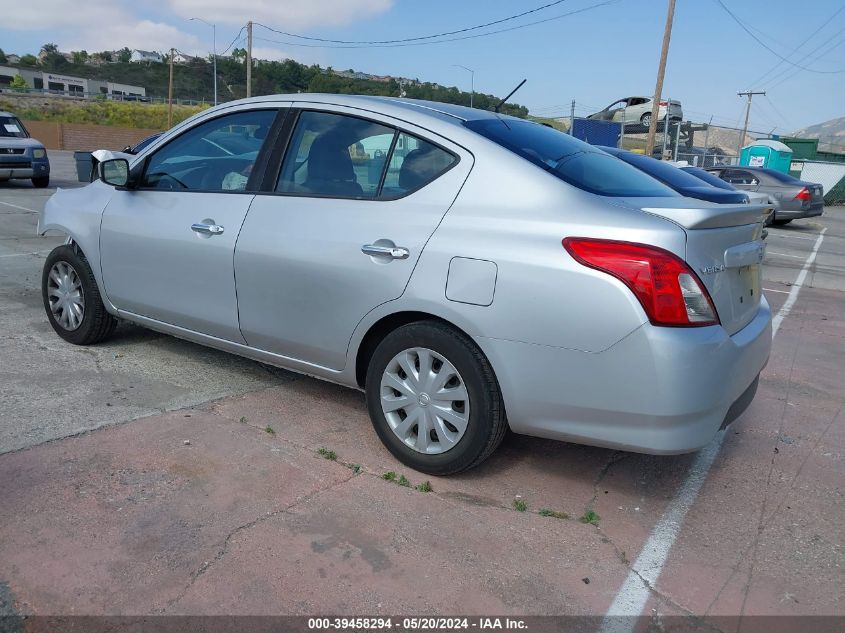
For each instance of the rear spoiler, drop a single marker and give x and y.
(713, 217)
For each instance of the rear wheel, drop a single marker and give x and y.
(645, 119)
(72, 299)
(433, 399)
(41, 182)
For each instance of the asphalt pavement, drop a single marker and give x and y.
(147, 475)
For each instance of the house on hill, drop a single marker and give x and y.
(145, 56)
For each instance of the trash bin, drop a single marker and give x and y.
(767, 153)
(84, 166)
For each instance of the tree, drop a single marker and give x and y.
(18, 83)
(49, 49)
(124, 55)
(29, 60)
(105, 56)
(79, 57)
(3, 59)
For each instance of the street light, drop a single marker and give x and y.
(471, 81)
(214, 45)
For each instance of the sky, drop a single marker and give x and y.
(595, 56)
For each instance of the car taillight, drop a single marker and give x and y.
(664, 103)
(670, 292)
(804, 194)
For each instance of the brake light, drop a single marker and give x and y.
(664, 103)
(804, 194)
(669, 291)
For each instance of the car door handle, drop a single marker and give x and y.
(394, 252)
(207, 229)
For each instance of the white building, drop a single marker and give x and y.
(145, 56)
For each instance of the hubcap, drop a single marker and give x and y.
(64, 292)
(424, 400)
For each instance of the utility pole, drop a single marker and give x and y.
(749, 94)
(170, 92)
(661, 70)
(471, 81)
(214, 51)
(249, 58)
(572, 118)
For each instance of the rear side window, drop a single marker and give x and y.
(347, 157)
(571, 160)
(738, 177)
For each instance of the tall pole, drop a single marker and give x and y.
(658, 89)
(214, 49)
(471, 81)
(749, 94)
(249, 58)
(170, 92)
(572, 118)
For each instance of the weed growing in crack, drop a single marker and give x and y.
(519, 505)
(424, 486)
(269, 429)
(545, 512)
(327, 454)
(403, 481)
(389, 476)
(590, 517)
(356, 468)
(243, 420)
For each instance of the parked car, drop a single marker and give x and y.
(793, 198)
(637, 111)
(685, 184)
(469, 271)
(754, 197)
(21, 156)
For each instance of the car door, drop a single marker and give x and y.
(167, 243)
(636, 109)
(355, 201)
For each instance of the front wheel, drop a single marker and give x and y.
(645, 120)
(434, 400)
(41, 182)
(72, 299)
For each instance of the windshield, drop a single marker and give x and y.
(571, 160)
(710, 179)
(11, 126)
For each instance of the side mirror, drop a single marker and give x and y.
(114, 172)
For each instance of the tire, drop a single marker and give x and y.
(645, 120)
(448, 449)
(777, 222)
(74, 283)
(41, 182)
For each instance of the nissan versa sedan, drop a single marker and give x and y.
(793, 199)
(471, 272)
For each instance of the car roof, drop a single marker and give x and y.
(2, 113)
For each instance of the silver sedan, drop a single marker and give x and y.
(471, 272)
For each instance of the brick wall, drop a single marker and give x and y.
(78, 136)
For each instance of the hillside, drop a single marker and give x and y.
(195, 81)
(831, 134)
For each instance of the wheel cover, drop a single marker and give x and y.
(424, 400)
(65, 295)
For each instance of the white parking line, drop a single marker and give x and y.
(794, 237)
(17, 206)
(25, 254)
(785, 292)
(634, 593)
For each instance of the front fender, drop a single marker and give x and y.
(77, 213)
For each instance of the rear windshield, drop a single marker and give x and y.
(571, 160)
(11, 126)
(710, 179)
(780, 176)
(664, 172)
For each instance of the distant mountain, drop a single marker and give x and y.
(831, 134)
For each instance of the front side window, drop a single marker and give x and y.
(217, 155)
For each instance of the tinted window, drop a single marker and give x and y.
(11, 126)
(413, 164)
(569, 159)
(708, 177)
(780, 176)
(739, 177)
(335, 155)
(664, 172)
(217, 155)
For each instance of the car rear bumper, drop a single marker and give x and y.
(796, 214)
(659, 390)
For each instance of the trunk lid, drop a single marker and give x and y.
(725, 248)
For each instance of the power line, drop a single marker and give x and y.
(789, 73)
(795, 50)
(422, 37)
(442, 41)
(234, 41)
(769, 48)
